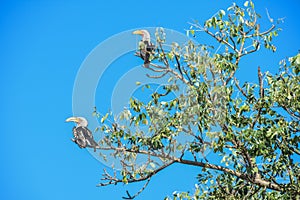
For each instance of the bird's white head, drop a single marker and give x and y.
(80, 121)
(144, 33)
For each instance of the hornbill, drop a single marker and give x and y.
(82, 135)
(145, 46)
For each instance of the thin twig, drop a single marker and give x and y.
(156, 70)
(139, 192)
(114, 180)
(261, 93)
(261, 34)
(158, 76)
(261, 84)
(239, 88)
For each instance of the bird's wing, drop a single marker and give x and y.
(79, 133)
(80, 137)
(89, 132)
(89, 137)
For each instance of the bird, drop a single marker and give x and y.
(83, 137)
(145, 46)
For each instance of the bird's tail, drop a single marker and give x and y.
(93, 144)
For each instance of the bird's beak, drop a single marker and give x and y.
(137, 32)
(72, 119)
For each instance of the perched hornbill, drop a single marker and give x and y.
(82, 135)
(145, 46)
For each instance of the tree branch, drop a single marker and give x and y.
(258, 181)
(158, 76)
(139, 192)
(261, 34)
(290, 112)
(180, 71)
(220, 40)
(261, 93)
(261, 84)
(115, 180)
(239, 88)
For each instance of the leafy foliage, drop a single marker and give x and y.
(253, 128)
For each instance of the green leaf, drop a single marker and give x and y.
(252, 4)
(152, 165)
(241, 19)
(246, 3)
(104, 118)
(255, 170)
(222, 12)
(145, 121)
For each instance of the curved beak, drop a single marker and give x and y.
(72, 119)
(137, 32)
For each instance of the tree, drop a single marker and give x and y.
(252, 129)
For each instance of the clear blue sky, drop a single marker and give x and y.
(43, 44)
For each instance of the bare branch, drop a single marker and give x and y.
(180, 70)
(290, 112)
(239, 88)
(115, 180)
(257, 180)
(261, 34)
(251, 51)
(139, 192)
(158, 76)
(233, 42)
(261, 84)
(158, 66)
(261, 93)
(164, 55)
(155, 70)
(219, 39)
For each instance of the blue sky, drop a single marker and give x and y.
(43, 44)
